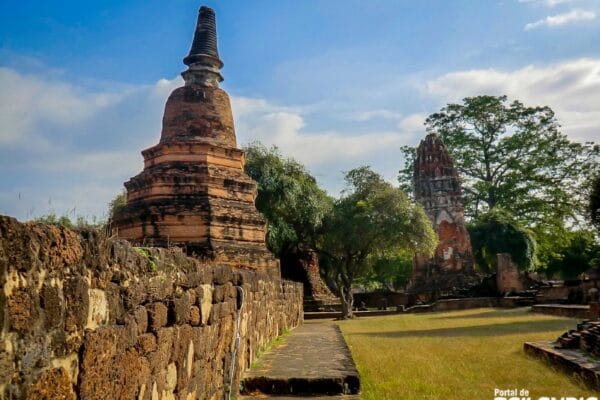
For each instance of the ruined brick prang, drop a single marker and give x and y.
(193, 191)
(303, 266)
(85, 317)
(437, 189)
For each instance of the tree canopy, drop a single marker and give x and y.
(370, 224)
(497, 232)
(513, 156)
(574, 253)
(289, 198)
(594, 202)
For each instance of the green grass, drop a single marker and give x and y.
(456, 355)
(279, 340)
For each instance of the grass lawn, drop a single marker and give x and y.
(456, 355)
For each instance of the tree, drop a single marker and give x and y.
(390, 273)
(514, 157)
(576, 253)
(116, 204)
(289, 198)
(52, 219)
(371, 222)
(497, 232)
(594, 202)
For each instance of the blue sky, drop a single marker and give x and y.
(333, 83)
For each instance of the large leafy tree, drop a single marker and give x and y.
(513, 156)
(289, 198)
(372, 223)
(497, 232)
(389, 273)
(594, 202)
(576, 252)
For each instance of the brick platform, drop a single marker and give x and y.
(569, 360)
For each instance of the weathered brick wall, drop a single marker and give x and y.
(83, 317)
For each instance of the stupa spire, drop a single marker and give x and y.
(203, 59)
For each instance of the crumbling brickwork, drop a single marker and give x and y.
(85, 317)
(193, 190)
(437, 188)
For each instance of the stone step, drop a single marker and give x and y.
(314, 361)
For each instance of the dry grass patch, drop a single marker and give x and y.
(456, 355)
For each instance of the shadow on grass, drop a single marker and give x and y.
(495, 313)
(477, 330)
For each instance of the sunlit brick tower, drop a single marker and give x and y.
(193, 191)
(437, 188)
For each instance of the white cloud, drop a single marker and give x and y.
(562, 19)
(377, 114)
(548, 3)
(71, 144)
(413, 123)
(257, 119)
(570, 88)
(72, 147)
(29, 102)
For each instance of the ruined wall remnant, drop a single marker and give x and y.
(437, 189)
(85, 317)
(193, 190)
(508, 278)
(303, 266)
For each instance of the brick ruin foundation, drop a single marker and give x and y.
(85, 317)
(575, 351)
(304, 267)
(438, 190)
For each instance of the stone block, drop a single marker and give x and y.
(141, 318)
(218, 294)
(157, 316)
(75, 291)
(195, 319)
(205, 301)
(52, 304)
(7, 367)
(98, 309)
(147, 343)
(22, 311)
(181, 308)
(222, 275)
(52, 384)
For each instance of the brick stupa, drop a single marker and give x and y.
(438, 190)
(193, 191)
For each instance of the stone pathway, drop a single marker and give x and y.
(313, 361)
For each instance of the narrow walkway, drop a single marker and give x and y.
(313, 361)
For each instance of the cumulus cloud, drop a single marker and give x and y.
(570, 17)
(63, 142)
(69, 147)
(570, 88)
(29, 101)
(285, 127)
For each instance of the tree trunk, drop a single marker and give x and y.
(347, 302)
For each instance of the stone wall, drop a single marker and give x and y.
(84, 317)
